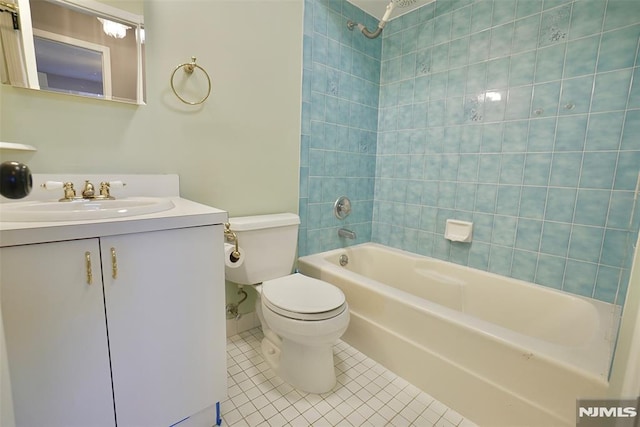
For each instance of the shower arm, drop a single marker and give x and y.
(365, 31)
(371, 35)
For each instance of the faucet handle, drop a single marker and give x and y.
(52, 185)
(105, 188)
(69, 191)
(116, 184)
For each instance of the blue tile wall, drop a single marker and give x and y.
(522, 116)
(341, 82)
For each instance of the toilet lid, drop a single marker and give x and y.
(301, 297)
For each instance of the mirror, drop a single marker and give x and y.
(79, 47)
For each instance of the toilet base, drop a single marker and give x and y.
(306, 368)
(306, 363)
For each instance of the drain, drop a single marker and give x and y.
(344, 260)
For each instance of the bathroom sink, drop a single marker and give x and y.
(82, 209)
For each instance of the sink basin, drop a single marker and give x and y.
(81, 209)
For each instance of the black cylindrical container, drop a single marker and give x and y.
(15, 180)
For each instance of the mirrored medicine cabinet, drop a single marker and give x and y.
(80, 47)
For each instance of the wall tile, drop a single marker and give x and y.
(586, 18)
(611, 91)
(522, 68)
(500, 260)
(598, 169)
(620, 209)
(514, 137)
(461, 22)
(550, 267)
(512, 167)
(526, 32)
(481, 14)
(503, 11)
(501, 38)
(555, 238)
(528, 234)
(532, 202)
(523, 266)
(613, 253)
(627, 170)
(528, 7)
(541, 134)
(479, 46)
(442, 28)
(620, 13)
(604, 131)
(634, 97)
(504, 230)
(554, 26)
(631, 130)
(586, 243)
(571, 132)
(581, 56)
(479, 255)
(536, 169)
(607, 282)
(560, 204)
(576, 95)
(618, 49)
(580, 278)
(508, 200)
(592, 207)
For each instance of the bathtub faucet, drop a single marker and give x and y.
(343, 232)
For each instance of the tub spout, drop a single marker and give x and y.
(343, 232)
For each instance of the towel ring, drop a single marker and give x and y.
(189, 68)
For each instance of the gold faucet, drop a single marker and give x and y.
(88, 192)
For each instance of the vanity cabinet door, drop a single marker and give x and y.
(55, 331)
(165, 315)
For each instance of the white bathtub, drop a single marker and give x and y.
(498, 350)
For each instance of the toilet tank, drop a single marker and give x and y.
(268, 244)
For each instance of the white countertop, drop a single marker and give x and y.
(185, 213)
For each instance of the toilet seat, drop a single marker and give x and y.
(303, 298)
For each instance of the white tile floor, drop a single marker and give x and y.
(367, 394)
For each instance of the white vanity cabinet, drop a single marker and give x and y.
(164, 315)
(56, 339)
(140, 346)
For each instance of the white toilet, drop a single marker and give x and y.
(301, 317)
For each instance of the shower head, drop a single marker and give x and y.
(403, 3)
(392, 5)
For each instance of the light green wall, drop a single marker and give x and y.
(239, 151)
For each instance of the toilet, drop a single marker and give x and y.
(301, 317)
